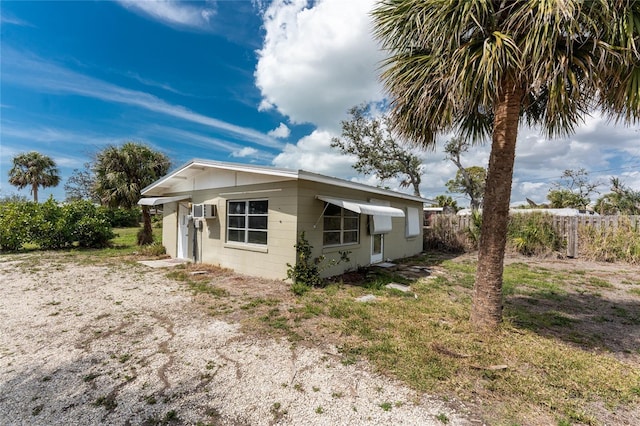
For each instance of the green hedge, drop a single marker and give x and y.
(123, 218)
(52, 226)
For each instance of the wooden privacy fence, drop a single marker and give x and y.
(566, 226)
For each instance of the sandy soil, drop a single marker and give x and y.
(123, 344)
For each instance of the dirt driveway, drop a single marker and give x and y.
(123, 344)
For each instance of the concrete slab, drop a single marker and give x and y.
(366, 298)
(163, 263)
(385, 265)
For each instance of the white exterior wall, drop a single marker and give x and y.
(267, 261)
(396, 244)
(293, 208)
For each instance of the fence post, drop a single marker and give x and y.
(572, 237)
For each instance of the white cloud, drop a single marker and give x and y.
(49, 135)
(314, 153)
(281, 132)
(51, 78)
(12, 20)
(173, 13)
(206, 143)
(247, 151)
(317, 62)
(319, 59)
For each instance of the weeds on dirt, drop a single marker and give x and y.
(37, 410)
(107, 401)
(169, 418)
(386, 406)
(198, 278)
(442, 418)
(278, 412)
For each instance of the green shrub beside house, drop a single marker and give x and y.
(52, 226)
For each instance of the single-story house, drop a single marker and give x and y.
(248, 218)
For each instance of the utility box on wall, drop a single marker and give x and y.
(203, 211)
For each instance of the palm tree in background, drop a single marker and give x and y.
(481, 68)
(122, 172)
(35, 170)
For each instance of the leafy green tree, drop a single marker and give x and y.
(378, 150)
(621, 200)
(481, 68)
(446, 201)
(573, 190)
(469, 181)
(122, 172)
(563, 198)
(35, 170)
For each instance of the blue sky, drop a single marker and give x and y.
(264, 82)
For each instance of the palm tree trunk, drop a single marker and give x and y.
(486, 312)
(146, 235)
(34, 189)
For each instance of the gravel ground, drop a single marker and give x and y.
(120, 345)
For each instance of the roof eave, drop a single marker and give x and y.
(315, 177)
(285, 173)
(205, 164)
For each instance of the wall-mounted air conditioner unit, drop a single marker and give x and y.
(203, 211)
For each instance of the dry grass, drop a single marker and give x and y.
(620, 244)
(546, 366)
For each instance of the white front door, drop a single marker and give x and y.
(377, 246)
(183, 232)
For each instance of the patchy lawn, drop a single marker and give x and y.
(113, 340)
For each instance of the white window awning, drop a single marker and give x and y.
(363, 207)
(154, 201)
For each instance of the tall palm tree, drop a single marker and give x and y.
(481, 68)
(122, 172)
(35, 170)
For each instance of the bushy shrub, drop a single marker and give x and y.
(306, 272)
(533, 234)
(441, 236)
(611, 244)
(123, 218)
(94, 232)
(51, 226)
(447, 234)
(15, 224)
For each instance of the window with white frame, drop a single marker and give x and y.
(341, 226)
(247, 221)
